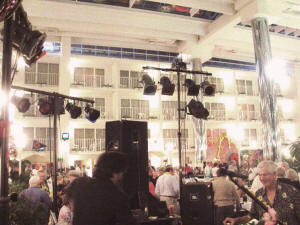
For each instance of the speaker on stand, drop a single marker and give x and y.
(131, 138)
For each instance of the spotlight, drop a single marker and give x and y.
(208, 89)
(93, 114)
(7, 8)
(197, 109)
(149, 85)
(74, 110)
(45, 106)
(193, 89)
(167, 87)
(22, 104)
(178, 64)
(25, 40)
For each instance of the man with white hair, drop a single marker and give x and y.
(283, 198)
(35, 194)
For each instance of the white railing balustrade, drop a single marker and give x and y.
(89, 145)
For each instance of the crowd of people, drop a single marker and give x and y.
(97, 198)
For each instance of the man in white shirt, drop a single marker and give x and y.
(167, 188)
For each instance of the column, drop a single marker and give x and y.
(199, 124)
(268, 108)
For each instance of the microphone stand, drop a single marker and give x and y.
(253, 197)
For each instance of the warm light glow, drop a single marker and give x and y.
(20, 139)
(284, 83)
(235, 132)
(169, 147)
(253, 144)
(289, 131)
(21, 62)
(227, 77)
(229, 103)
(153, 100)
(74, 62)
(3, 98)
(286, 153)
(286, 105)
(155, 161)
(276, 69)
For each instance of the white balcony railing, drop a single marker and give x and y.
(171, 114)
(89, 145)
(249, 115)
(134, 113)
(217, 115)
(50, 79)
(94, 81)
(126, 82)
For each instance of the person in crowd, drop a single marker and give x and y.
(280, 173)
(215, 169)
(43, 181)
(233, 166)
(161, 171)
(292, 176)
(65, 216)
(252, 172)
(151, 182)
(283, 198)
(245, 169)
(285, 165)
(208, 170)
(73, 175)
(188, 170)
(35, 194)
(225, 196)
(167, 188)
(99, 200)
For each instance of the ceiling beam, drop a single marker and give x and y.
(219, 6)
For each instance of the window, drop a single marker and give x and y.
(42, 73)
(43, 135)
(216, 81)
(216, 111)
(89, 77)
(244, 87)
(89, 140)
(247, 112)
(250, 137)
(169, 110)
(134, 109)
(213, 135)
(170, 139)
(129, 79)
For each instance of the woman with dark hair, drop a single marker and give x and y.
(99, 200)
(65, 216)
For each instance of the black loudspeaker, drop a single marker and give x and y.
(130, 137)
(196, 204)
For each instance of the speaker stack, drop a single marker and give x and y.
(196, 204)
(130, 137)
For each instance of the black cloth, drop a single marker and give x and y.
(100, 202)
(295, 184)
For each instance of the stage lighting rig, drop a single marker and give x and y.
(7, 8)
(92, 114)
(167, 87)
(193, 89)
(149, 85)
(74, 110)
(25, 40)
(22, 104)
(208, 89)
(197, 110)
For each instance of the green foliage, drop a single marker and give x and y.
(294, 161)
(24, 212)
(19, 184)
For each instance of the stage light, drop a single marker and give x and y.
(178, 64)
(208, 89)
(193, 89)
(197, 110)
(92, 114)
(25, 40)
(7, 8)
(149, 85)
(74, 110)
(22, 104)
(45, 106)
(167, 87)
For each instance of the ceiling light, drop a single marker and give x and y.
(22, 104)
(74, 110)
(149, 85)
(193, 89)
(197, 109)
(92, 114)
(167, 87)
(208, 89)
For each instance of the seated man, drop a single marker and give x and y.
(283, 198)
